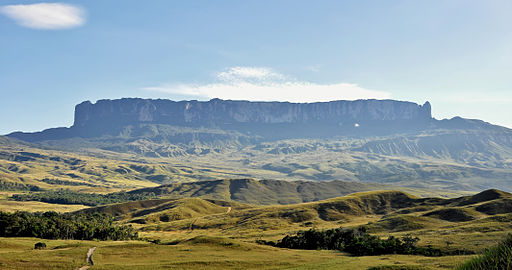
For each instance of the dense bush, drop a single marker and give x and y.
(52, 225)
(66, 183)
(90, 199)
(496, 258)
(40, 245)
(355, 241)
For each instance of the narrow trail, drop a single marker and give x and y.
(191, 228)
(89, 259)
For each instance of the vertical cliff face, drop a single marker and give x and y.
(220, 112)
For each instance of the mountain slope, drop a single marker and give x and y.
(490, 148)
(384, 141)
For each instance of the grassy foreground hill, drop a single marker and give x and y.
(381, 211)
(195, 233)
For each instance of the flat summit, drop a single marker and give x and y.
(269, 120)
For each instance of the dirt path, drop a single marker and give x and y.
(89, 255)
(191, 228)
(89, 259)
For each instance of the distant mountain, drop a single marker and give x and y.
(269, 120)
(228, 120)
(481, 148)
(385, 141)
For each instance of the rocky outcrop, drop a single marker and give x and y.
(218, 112)
(168, 121)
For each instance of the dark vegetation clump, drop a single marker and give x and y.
(357, 242)
(66, 183)
(495, 258)
(40, 245)
(11, 186)
(90, 199)
(52, 225)
(398, 267)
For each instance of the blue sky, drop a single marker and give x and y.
(54, 55)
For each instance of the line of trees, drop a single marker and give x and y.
(357, 242)
(52, 225)
(66, 183)
(90, 199)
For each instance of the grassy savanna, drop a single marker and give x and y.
(11, 206)
(192, 233)
(7, 205)
(198, 253)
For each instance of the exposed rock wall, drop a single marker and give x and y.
(220, 112)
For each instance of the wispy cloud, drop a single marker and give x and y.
(45, 15)
(264, 84)
(236, 74)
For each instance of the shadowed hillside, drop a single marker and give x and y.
(260, 192)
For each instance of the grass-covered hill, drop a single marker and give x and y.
(342, 208)
(251, 191)
(260, 192)
(381, 211)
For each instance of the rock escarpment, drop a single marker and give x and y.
(218, 112)
(166, 120)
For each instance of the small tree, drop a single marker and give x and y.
(40, 245)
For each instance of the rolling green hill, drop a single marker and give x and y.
(259, 192)
(386, 211)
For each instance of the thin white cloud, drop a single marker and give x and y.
(45, 15)
(249, 73)
(263, 84)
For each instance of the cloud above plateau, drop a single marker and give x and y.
(265, 84)
(45, 16)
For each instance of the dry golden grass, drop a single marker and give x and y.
(11, 206)
(198, 253)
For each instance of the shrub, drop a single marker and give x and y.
(40, 245)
